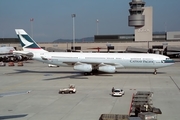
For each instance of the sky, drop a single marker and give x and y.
(53, 20)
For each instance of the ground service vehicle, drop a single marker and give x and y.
(2, 64)
(70, 90)
(118, 92)
(20, 63)
(11, 63)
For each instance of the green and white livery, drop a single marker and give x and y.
(90, 63)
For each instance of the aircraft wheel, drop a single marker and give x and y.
(85, 73)
(91, 73)
(94, 72)
(155, 72)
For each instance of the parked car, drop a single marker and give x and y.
(51, 65)
(118, 92)
(70, 90)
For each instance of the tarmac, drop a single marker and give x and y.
(30, 92)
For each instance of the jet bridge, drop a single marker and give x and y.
(172, 51)
(136, 50)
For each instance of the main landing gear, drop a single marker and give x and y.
(93, 72)
(155, 72)
(87, 73)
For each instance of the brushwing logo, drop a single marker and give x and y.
(25, 42)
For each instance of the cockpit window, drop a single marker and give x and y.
(167, 58)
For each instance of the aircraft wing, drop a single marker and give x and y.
(26, 53)
(117, 65)
(108, 67)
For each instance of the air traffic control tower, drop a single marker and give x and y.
(141, 19)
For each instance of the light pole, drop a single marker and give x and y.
(73, 16)
(31, 20)
(97, 27)
(165, 26)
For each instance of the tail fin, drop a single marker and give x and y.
(27, 43)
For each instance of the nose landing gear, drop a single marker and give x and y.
(155, 72)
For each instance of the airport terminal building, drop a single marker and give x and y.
(158, 36)
(161, 36)
(111, 43)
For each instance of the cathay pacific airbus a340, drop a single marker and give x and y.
(90, 63)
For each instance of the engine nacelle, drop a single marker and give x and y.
(83, 67)
(107, 68)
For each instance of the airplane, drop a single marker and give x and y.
(6, 50)
(6, 54)
(91, 63)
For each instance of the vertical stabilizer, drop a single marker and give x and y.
(27, 43)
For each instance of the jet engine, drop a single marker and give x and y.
(83, 67)
(107, 68)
